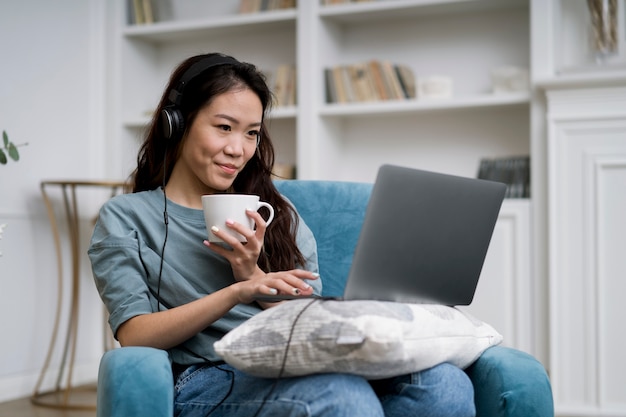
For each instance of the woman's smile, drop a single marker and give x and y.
(229, 169)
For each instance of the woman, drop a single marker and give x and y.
(164, 288)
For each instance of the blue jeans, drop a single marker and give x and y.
(443, 390)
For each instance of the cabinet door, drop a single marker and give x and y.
(503, 296)
(587, 204)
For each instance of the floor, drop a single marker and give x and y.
(84, 398)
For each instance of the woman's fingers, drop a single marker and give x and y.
(260, 223)
(293, 282)
(253, 238)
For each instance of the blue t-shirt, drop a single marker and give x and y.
(125, 254)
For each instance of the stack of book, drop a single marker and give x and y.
(369, 81)
(283, 84)
(255, 6)
(513, 171)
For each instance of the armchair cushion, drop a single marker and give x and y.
(373, 339)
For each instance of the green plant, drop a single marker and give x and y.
(9, 148)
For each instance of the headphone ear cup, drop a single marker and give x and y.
(172, 123)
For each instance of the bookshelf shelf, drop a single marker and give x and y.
(375, 11)
(286, 112)
(278, 113)
(584, 79)
(424, 105)
(177, 31)
(139, 123)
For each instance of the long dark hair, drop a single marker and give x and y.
(158, 154)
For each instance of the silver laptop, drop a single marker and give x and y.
(424, 238)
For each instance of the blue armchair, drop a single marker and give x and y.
(137, 381)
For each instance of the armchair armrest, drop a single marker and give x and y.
(510, 383)
(135, 381)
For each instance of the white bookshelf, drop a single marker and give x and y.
(199, 27)
(462, 39)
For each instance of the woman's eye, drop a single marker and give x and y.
(253, 134)
(225, 128)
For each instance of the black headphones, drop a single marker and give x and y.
(172, 120)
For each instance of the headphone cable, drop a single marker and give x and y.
(207, 361)
(284, 360)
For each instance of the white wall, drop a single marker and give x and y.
(51, 76)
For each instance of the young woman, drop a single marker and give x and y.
(166, 286)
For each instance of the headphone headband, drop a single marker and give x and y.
(196, 69)
(173, 122)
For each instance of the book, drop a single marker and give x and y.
(284, 85)
(512, 171)
(138, 18)
(249, 6)
(255, 6)
(340, 87)
(140, 12)
(287, 4)
(284, 171)
(360, 83)
(407, 81)
(280, 85)
(379, 82)
(148, 15)
(292, 85)
(392, 83)
(331, 92)
(348, 86)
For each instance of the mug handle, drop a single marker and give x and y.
(270, 208)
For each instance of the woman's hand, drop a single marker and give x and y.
(168, 328)
(243, 256)
(276, 283)
(243, 259)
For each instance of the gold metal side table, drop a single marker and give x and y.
(61, 395)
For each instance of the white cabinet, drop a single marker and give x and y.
(587, 183)
(504, 296)
(581, 140)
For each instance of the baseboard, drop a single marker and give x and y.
(13, 387)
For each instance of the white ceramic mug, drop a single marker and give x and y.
(220, 207)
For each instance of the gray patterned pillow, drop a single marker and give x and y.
(374, 339)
